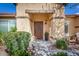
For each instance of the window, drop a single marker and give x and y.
(6, 24)
(3, 25)
(66, 27)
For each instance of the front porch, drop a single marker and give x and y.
(39, 18)
(40, 23)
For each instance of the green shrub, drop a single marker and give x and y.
(0, 37)
(61, 44)
(1, 34)
(13, 29)
(59, 54)
(17, 43)
(46, 36)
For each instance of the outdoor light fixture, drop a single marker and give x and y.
(45, 21)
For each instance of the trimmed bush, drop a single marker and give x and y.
(60, 54)
(61, 44)
(46, 36)
(0, 36)
(1, 41)
(17, 43)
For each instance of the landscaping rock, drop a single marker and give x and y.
(46, 48)
(69, 53)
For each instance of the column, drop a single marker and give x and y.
(23, 23)
(58, 22)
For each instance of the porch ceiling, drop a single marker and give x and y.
(42, 16)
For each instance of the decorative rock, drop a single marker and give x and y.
(70, 53)
(44, 48)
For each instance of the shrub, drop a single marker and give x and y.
(0, 35)
(46, 36)
(17, 43)
(61, 44)
(13, 29)
(59, 54)
(1, 41)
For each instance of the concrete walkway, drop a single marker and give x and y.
(2, 51)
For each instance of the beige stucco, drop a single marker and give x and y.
(23, 7)
(71, 28)
(23, 23)
(77, 24)
(72, 22)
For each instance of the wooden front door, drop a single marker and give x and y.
(38, 29)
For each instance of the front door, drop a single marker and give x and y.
(38, 29)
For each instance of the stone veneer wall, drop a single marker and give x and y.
(58, 22)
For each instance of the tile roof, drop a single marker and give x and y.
(7, 15)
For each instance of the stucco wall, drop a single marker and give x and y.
(76, 24)
(21, 7)
(73, 21)
(71, 25)
(23, 24)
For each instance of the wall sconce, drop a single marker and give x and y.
(45, 21)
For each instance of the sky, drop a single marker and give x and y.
(70, 8)
(7, 8)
